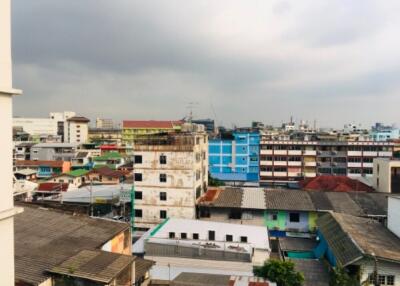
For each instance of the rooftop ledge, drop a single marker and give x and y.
(10, 91)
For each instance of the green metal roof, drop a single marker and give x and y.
(108, 156)
(78, 173)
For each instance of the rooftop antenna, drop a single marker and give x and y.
(191, 105)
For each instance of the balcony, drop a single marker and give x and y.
(294, 174)
(280, 163)
(265, 174)
(385, 154)
(354, 165)
(354, 153)
(310, 164)
(294, 163)
(370, 153)
(294, 152)
(280, 152)
(265, 152)
(266, 163)
(309, 152)
(310, 174)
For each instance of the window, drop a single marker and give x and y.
(137, 159)
(138, 213)
(229, 237)
(390, 280)
(163, 214)
(211, 235)
(382, 279)
(274, 216)
(163, 178)
(195, 236)
(172, 235)
(163, 159)
(183, 235)
(138, 177)
(243, 239)
(294, 217)
(163, 196)
(138, 195)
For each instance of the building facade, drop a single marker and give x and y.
(170, 172)
(381, 132)
(288, 161)
(235, 159)
(131, 129)
(105, 135)
(386, 175)
(77, 130)
(54, 151)
(7, 210)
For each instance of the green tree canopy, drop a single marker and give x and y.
(281, 272)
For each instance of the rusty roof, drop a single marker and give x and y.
(34, 163)
(44, 238)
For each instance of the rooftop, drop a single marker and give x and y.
(334, 184)
(94, 265)
(45, 238)
(355, 203)
(79, 119)
(77, 173)
(352, 238)
(38, 163)
(297, 244)
(55, 145)
(107, 171)
(108, 156)
(52, 187)
(315, 272)
(151, 124)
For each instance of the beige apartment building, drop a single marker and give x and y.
(386, 175)
(283, 161)
(170, 173)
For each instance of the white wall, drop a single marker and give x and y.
(394, 215)
(36, 126)
(384, 268)
(6, 166)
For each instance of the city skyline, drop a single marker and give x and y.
(239, 62)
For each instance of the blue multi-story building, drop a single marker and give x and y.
(381, 132)
(235, 158)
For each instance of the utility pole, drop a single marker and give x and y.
(91, 199)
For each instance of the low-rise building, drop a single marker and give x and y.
(202, 279)
(131, 129)
(386, 175)
(204, 247)
(170, 172)
(111, 159)
(54, 151)
(75, 178)
(79, 250)
(105, 175)
(44, 168)
(105, 135)
(286, 212)
(362, 246)
(381, 132)
(235, 159)
(22, 151)
(82, 160)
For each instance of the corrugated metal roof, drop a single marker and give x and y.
(44, 238)
(288, 200)
(351, 237)
(342, 203)
(253, 198)
(315, 272)
(230, 197)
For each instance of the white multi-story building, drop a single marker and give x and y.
(104, 123)
(170, 172)
(7, 210)
(77, 130)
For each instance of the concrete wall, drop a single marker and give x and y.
(187, 177)
(394, 215)
(6, 166)
(382, 174)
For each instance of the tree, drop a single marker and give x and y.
(213, 182)
(340, 277)
(281, 272)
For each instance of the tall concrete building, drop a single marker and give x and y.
(7, 210)
(170, 172)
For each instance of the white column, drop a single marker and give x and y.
(6, 191)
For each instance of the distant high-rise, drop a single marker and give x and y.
(104, 123)
(7, 210)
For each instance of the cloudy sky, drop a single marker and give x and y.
(334, 61)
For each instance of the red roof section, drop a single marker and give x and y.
(54, 164)
(108, 172)
(166, 124)
(210, 195)
(334, 184)
(53, 187)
